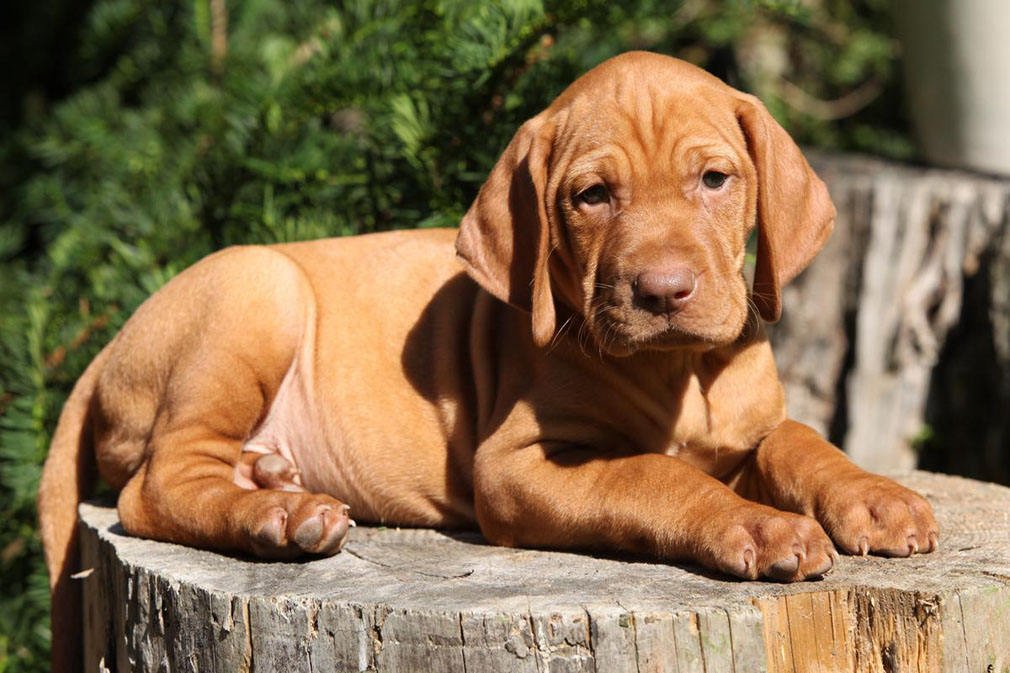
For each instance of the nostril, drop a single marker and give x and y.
(683, 294)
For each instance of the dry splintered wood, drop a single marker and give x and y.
(916, 254)
(428, 601)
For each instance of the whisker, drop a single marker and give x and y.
(579, 337)
(560, 332)
(610, 332)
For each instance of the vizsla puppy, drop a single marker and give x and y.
(594, 376)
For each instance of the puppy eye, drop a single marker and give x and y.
(714, 179)
(594, 195)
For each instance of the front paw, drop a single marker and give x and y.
(757, 541)
(874, 515)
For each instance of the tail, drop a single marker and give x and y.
(64, 484)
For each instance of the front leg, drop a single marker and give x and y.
(572, 497)
(795, 469)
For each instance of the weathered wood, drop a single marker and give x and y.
(419, 600)
(900, 330)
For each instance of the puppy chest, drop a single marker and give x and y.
(709, 423)
(717, 426)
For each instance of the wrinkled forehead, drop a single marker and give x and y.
(651, 123)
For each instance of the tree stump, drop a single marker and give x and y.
(895, 342)
(428, 601)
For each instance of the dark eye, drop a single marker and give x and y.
(714, 179)
(593, 196)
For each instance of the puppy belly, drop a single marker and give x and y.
(293, 433)
(330, 437)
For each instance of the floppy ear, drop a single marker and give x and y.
(794, 212)
(504, 240)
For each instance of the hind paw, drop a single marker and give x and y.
(300, 524)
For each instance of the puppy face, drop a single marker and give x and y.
(630, 200)
(654, 199)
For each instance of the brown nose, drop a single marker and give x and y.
(665, 289)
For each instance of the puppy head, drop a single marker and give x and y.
(630, 200)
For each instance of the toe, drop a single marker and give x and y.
(850, 534)
(336, 525)
(324, 531)
(820, 556)
(826, 563)
(307, 534)
(269, 540)
(271, 531)
(785, 569)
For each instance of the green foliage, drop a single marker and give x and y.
(178, 130)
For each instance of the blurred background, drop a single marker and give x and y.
(138, 136)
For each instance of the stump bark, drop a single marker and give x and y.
(895, 342)
(422, 600)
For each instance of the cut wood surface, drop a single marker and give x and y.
(422, 600)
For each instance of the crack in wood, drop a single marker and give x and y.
(404, 568)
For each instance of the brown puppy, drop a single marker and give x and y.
(604, 383)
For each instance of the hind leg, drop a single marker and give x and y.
(185, 492)
(190, 379)
(216, 514)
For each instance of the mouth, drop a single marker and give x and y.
(615, 333)
(620, 326)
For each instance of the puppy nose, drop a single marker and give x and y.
(665, 290)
